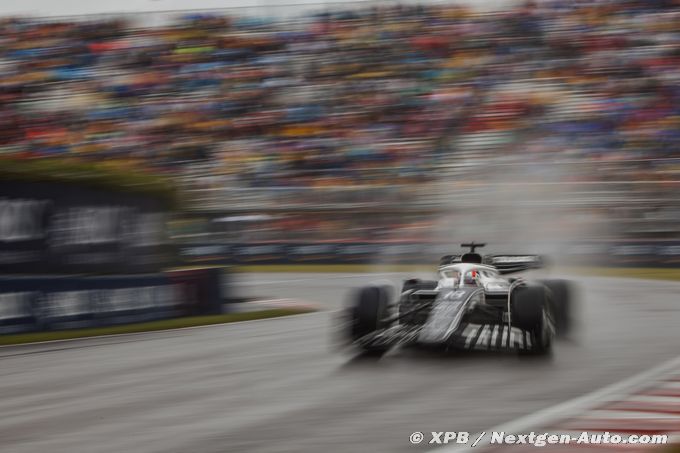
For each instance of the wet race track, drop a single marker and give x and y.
(279, 385)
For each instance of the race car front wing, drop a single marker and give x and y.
(468, 336)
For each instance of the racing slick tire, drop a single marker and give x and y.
(368, 313)
(531, 310)
(561, 297)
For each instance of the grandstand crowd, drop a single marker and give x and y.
(368, 97)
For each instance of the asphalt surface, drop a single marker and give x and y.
(278, 385)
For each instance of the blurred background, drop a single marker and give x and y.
(140, 137)
(546, 121)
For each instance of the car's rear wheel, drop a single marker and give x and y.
(531, 311)
(414, 284)
(561, 297)
(417, 284)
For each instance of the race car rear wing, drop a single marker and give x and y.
(449, 259)
(508, 264)
(505, 264)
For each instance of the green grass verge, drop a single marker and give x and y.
(164, 324)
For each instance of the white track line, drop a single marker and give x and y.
(550, 415)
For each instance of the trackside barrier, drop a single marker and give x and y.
(614, 253)
(38, 303)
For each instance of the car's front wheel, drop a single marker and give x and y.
(531, 311)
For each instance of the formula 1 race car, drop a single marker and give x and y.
(471, 306)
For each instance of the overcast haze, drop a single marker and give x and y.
(76, 7)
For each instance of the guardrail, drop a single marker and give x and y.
(442, 195)
(611, 253)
